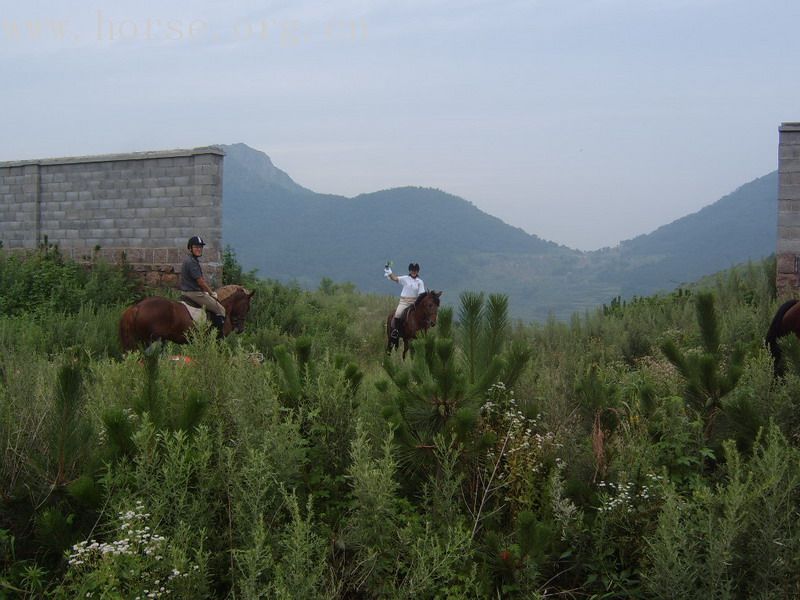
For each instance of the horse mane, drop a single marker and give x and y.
(226, 291)
(424, 295)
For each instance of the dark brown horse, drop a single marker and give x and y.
(419, 317)
(785, 321)
(158, 318)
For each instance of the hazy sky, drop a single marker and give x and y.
(585, 122)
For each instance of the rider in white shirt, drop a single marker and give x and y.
(412, 287)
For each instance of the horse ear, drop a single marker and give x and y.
(438, 294)
(251, 294)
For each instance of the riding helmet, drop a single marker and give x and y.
(195, 240)
(413, 267)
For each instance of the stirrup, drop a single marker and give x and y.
(395, 334)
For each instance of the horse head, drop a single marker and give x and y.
(427, 303)
(237, 304)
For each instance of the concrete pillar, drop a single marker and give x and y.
(788, 250)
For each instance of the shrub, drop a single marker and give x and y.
(736, 539)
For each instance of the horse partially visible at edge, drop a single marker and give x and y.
(157, 318)
(785, 321)
(420, 316)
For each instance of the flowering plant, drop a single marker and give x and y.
(523, 452)
(133, 565)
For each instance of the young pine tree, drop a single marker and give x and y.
(710, 374)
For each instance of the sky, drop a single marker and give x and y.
(585, 122)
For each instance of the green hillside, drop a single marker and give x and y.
(290, 233)
(739, 227)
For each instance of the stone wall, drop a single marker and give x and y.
(788, 250)
(142, 205)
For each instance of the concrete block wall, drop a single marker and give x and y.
(788, 250)
(142, 205)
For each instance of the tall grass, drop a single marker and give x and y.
(269, 465)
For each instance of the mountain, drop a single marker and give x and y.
(289, 232)
(740, 226)
(250, 165)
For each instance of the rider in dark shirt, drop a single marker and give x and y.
(193, 285)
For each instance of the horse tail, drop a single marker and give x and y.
(776, 330)
(127, 327)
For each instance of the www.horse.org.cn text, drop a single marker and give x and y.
(107, 27)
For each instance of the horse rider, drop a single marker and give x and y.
(193, 285)
(412, 287)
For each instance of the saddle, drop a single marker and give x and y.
(196, 312)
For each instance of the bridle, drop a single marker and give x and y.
(428, 320)
(237, 321)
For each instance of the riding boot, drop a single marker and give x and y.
(219, 323)
(395, 328)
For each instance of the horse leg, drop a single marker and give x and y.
(127, 338)
(389, 340)
(411, 328)
(389, 343)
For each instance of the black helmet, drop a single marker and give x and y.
(413, 267)
(195, 240)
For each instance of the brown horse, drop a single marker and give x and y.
(157, 318)
(419, 317)
(785, 321)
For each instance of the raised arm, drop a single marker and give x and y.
(387, 272)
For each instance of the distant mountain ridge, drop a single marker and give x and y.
(257, 166)
(289, 232)
(740, 226)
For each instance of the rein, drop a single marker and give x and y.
(236, 320)
(427, 321)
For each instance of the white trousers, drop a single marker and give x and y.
(405, 302)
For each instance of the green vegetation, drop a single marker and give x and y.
(643, 450)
